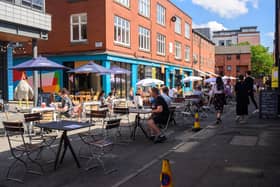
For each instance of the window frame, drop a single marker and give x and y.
(122, 3)
(158, 42)
(176, 48)
(126, 29)
(146, 34)
(161, 19)
(188, 36)
(175, 25)
(80, 23)
(146, 12)
(189, 53)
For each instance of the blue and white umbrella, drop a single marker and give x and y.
(91, 67)
(149, 82)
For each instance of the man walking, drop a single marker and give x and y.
(249, 82)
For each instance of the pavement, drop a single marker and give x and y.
(230, 154)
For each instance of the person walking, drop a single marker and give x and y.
(242, 100)
(249, 82)
(219, 98)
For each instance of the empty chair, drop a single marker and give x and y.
(15, 134)
(47, 138)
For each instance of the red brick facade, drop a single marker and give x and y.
(233, 64)
(100, 28)
(203, 53)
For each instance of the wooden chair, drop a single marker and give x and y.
(24, 150)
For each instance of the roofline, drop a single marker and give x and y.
(204, 37)
(186, 14)
(237, 30)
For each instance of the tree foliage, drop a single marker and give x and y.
(262, 61)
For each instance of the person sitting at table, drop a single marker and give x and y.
(101, 97)
(160, 113)
(67, 107)
(164, 94)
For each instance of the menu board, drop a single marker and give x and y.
(268, 104)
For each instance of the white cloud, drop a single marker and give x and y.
(227, 8)
(213, 25)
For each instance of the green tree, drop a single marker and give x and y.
(262, 61)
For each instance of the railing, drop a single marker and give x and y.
(32, 4)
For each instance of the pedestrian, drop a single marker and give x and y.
(249, 82)
(131, 94)
(242, 100)
(101, 97)
(160, 113)
(219, 98)
(164, 94)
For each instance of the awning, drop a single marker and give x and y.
(202, 72)
(214, 74)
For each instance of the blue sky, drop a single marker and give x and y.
(232, 14)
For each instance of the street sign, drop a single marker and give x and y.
(274, 77)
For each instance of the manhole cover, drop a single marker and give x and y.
(244, 140)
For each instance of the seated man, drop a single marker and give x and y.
(160, 115)
(67, 108)
(164, 94)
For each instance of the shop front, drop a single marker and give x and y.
(121, 83)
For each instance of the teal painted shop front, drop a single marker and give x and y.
(170, 73)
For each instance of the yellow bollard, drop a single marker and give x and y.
(165, 176)
(196, 125)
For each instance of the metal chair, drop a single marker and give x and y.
(13, 131)
(99, 147)
(47, 138)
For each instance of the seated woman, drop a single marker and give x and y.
(67, 107)
(101, 97)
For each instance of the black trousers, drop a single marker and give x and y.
(251, 95)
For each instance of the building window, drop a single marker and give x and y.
(178, 49)
(237, 69)
(187, 53)
(123, 2)
(121, 31)
(238, 56)
(144, 39)
(78, 27)
(221, 43)
(144, 8)
(229, 67)
(228, 57)
(178, 25)
(187, 30)
(160, 44)
(160, 14)
(229, 42)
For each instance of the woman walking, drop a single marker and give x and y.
(219, 98)
(242, 100)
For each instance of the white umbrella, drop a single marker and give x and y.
(228, 78)
(149, 82)
(191, 78)
(210, 80)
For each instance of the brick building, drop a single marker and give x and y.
(203, 55)
(151, 38)
(233, 60)
(232, 37)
